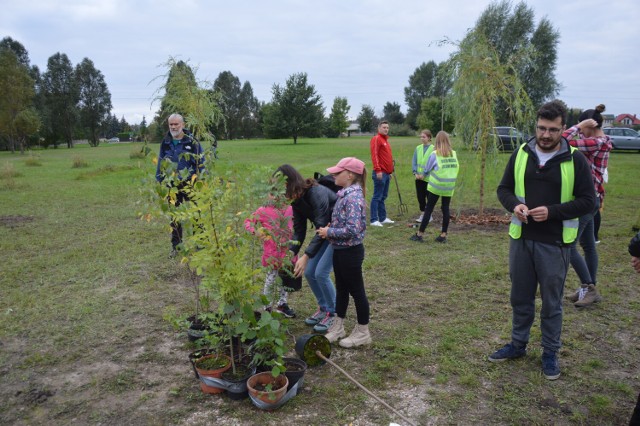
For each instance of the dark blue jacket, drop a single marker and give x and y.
(187, 155)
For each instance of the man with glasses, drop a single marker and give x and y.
(546, 186)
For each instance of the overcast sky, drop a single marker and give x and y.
(362, 50)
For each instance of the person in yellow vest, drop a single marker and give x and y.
(546, 186)
(420, 156)
(442, 168)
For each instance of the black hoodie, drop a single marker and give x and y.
(542, 188)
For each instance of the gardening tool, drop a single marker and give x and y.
(319, 355)
(402, 208)
(315, 349)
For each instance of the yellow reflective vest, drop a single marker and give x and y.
(422, 157)
(443, 181)
(569, 226)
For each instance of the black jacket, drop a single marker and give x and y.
(542, 188)
(315, 205)
(634, 246)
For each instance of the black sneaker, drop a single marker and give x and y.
(506, 352)
(550, 366)
(285, 310)
(416, 237)
(441, 239)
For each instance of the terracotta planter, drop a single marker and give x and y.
(217, 373)
(257, 383)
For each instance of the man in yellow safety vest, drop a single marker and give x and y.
(546, 186)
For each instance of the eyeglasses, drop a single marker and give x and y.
(552, 130)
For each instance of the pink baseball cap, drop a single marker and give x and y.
(351, 164)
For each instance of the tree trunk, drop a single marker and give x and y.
(483, 168)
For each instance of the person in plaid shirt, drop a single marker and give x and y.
(588, 137)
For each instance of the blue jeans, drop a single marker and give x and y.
(318, 272)
(586, 267)
(532, 263)
(380, 193)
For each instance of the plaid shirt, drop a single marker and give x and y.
(597, 152)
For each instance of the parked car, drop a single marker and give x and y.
(506, 138)
(113, 140)
(623, 137)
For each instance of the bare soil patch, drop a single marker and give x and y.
(491, 219)
(15, 221)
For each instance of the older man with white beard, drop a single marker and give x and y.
(179, 159)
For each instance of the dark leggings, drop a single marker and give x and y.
(432, 199)
(596, 224)
(635, 417)
(347, 267)
(421, 193)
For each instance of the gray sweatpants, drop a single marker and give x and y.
(532, 263)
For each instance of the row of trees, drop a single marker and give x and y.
(53, 107)
(505, 51)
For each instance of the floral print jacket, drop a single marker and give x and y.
(349, 218)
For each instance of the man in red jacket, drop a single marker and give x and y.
(382, 160)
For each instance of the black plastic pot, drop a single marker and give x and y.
(295, 371)
(237, 386)
(196, 328)
(308, 344)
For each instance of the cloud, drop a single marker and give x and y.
(363, 50)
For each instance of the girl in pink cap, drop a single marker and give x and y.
(346, 234)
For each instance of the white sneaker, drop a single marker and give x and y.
(376, 223)
(387, 220)
(419, 220)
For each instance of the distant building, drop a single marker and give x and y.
(607, 120)
(354, 127)
(627, 120)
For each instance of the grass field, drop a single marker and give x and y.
(85, 283)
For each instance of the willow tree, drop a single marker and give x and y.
(195, 100)
(481, 81)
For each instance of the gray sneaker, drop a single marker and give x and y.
(325, 323)
(316, 317)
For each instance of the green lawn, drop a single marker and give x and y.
(85, 283)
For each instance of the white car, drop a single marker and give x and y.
(113, 140)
